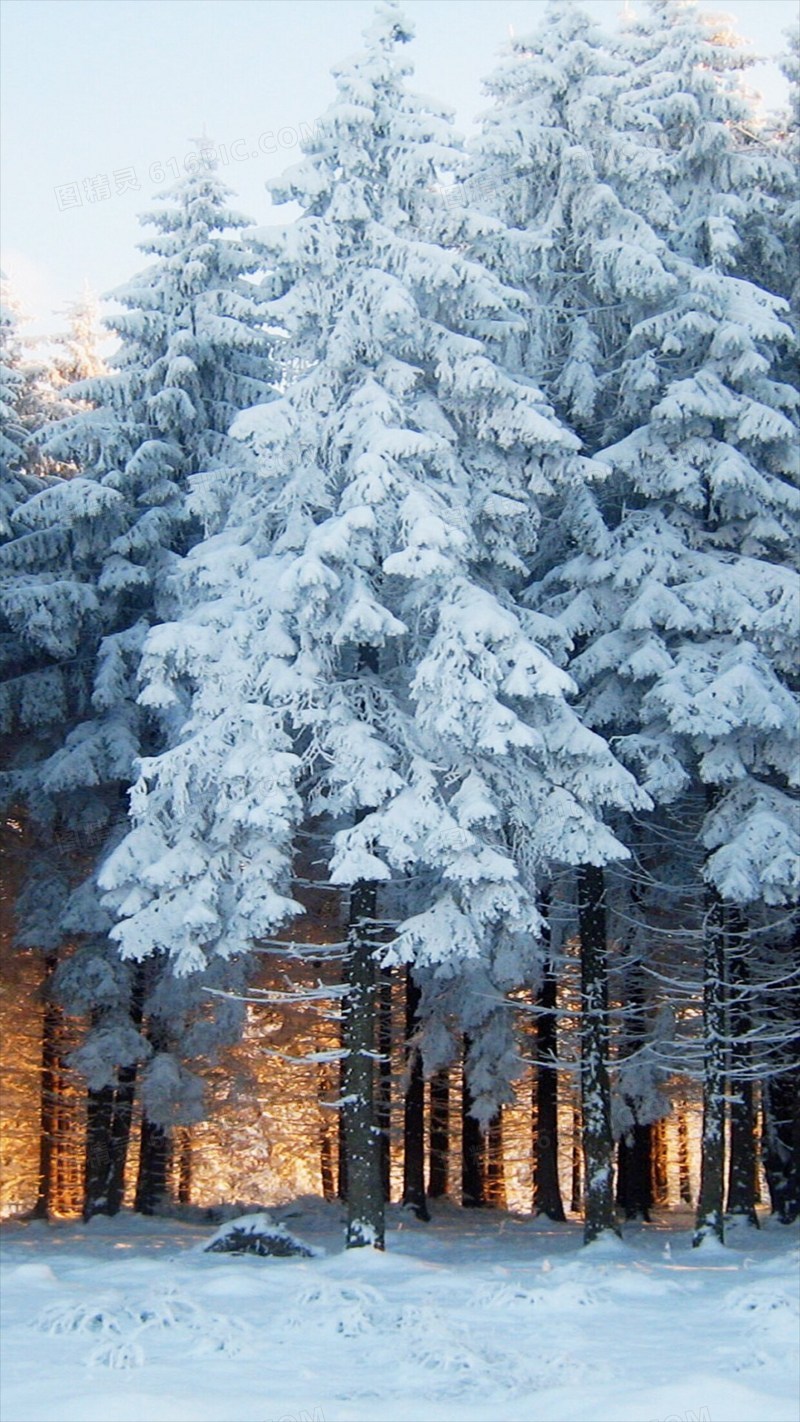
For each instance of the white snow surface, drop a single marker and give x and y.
(476, 1317)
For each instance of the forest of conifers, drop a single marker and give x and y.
(398, 653)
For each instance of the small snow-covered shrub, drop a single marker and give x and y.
(258, 1234)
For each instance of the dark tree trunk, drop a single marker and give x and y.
(634, 1173)
(119, 1136)
(634, 1152)
(326, 1155)
(780, 1098)
(659, 1164)
(326, 1170)
(97, 1154)
(152, 1183)
(414, 1111)
(710, 1223)
(185, 1166)
(50, 1088)
(384, 1105)
(495, 1172)
(742, 1160)
(598, 1144)
(576, 1173)
(546, 1187)
(684, 1177)
(365, 1198)
(439, 1096)
(123, 1101)
(341, 1173)
(472, 1195)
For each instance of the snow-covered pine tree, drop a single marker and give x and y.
(85, 575)
(12, 431)
(45, 886)
(349, 651)
(561, 169)
(686, 606)
(18, 404)
(729, 193)
(785, 212)
(77, 356)
(573, 185)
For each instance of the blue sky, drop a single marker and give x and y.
(101, 97)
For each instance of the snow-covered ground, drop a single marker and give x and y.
(476, 1316)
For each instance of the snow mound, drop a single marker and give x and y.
(119, 1326)
(97, 1317)
(258, 1234)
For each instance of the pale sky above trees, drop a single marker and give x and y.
(101, 101)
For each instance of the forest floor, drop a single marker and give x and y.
(475, 1317)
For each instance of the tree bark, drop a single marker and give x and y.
(185, 1166)
(414, 1111)
(546, 1187)
(684, 1177)
(152, 1182)
(576, 1174)
(439, 1107)
(341, 1172)
(384, 1105)
(710, 1222)
(495, 1171)
(598, 1144)
(50, 1087)
(742, 1159)
(659, 1163)
(634, 1172)
(780, 1104)
(472, 1195)
(326, 1161)
(365, 1198)
(97, 1152)
(123, 1101)
(109, 1113)
(634, 1150)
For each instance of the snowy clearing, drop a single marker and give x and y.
(485, 1317)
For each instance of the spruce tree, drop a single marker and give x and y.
(87, 572)
(684, 607)
(350, 651)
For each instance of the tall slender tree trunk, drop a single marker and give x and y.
(384, 1103)
(50, 1086)
(634, 1163)
(659, 1163)
(472, 1195)
(109, 1113)
(119, 1136)
(152, 1182)
(365, 1198)
(598, 1144)
(576, 1162)
(326, 1154)
(97, 1151)
(780, 1105)
(742, 1160)
(341, 1173)
(439, 1114)
(634, 1172)
(495, 1173)
(123, 1101)
(546, 1187)
(414, 1110)
(185, 1166)
(684, 1176)
(710, 1222)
